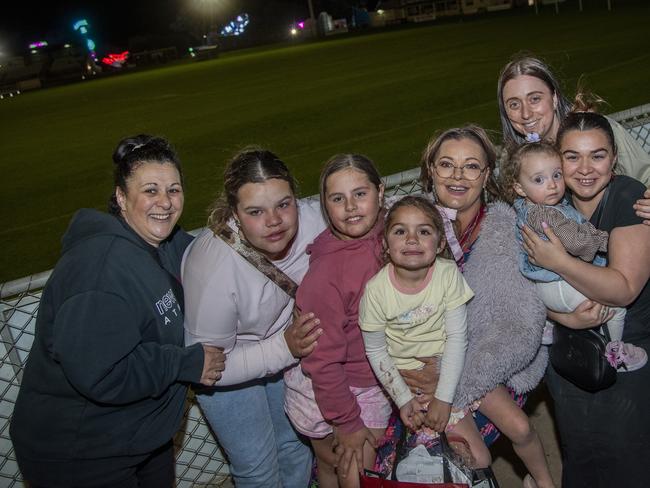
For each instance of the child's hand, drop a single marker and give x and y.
(438, 415)
(411, 414)
(349, 449)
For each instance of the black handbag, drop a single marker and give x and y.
(579, 357)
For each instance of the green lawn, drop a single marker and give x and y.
(381, 94)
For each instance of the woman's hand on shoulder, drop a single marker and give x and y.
(302, 334)
(586, 315)
(214, 362)
(642, 207)
(547, 254)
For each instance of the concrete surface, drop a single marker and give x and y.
(508, 469)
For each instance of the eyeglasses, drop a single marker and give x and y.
(469, 171)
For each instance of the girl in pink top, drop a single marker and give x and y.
(335, 399)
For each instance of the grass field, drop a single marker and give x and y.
(382, 94)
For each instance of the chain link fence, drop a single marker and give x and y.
(199, 459)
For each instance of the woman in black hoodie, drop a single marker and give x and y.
(105, 383)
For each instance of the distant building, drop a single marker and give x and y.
(397, 11)
(49, 64)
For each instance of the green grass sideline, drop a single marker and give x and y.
(382, 94)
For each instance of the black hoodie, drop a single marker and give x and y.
(105, 382)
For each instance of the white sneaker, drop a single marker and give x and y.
(634, 358)
(625, 357)
(547, 334)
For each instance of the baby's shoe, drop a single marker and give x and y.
(625, 357)
(547, 334)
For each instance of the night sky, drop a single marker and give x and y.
(113, 23)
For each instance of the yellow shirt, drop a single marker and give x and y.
(413, 319)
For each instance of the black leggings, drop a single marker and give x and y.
(604, 436)
(156, 471)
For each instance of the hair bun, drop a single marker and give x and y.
(128, 146)
(586, 101)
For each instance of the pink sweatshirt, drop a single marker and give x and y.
(332, 289)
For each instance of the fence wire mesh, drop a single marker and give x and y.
(200, 461)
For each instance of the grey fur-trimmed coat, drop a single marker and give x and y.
(505, 318)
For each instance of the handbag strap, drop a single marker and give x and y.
(598, 217)
(446, 449)
(258, 260)
(600, 209)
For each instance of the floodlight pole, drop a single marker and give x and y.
(313, 18)
(557, 6)
(609, 5)
(536, 8)
(580, 5)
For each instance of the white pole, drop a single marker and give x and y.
(580, 3)
(609, 5)
(557, 6)
(313, 19)
(536, 8)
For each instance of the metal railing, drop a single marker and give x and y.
(199, 459)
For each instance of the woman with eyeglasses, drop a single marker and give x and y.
(505, 318)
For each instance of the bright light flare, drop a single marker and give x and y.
(116, 60)
(236, 27)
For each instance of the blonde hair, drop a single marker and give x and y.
(524, 64)
(339, 162)
(473, 133)
(511, 167)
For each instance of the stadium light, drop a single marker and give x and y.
(36, 45)
(294, 31)
(237, 26)
(81, 26)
